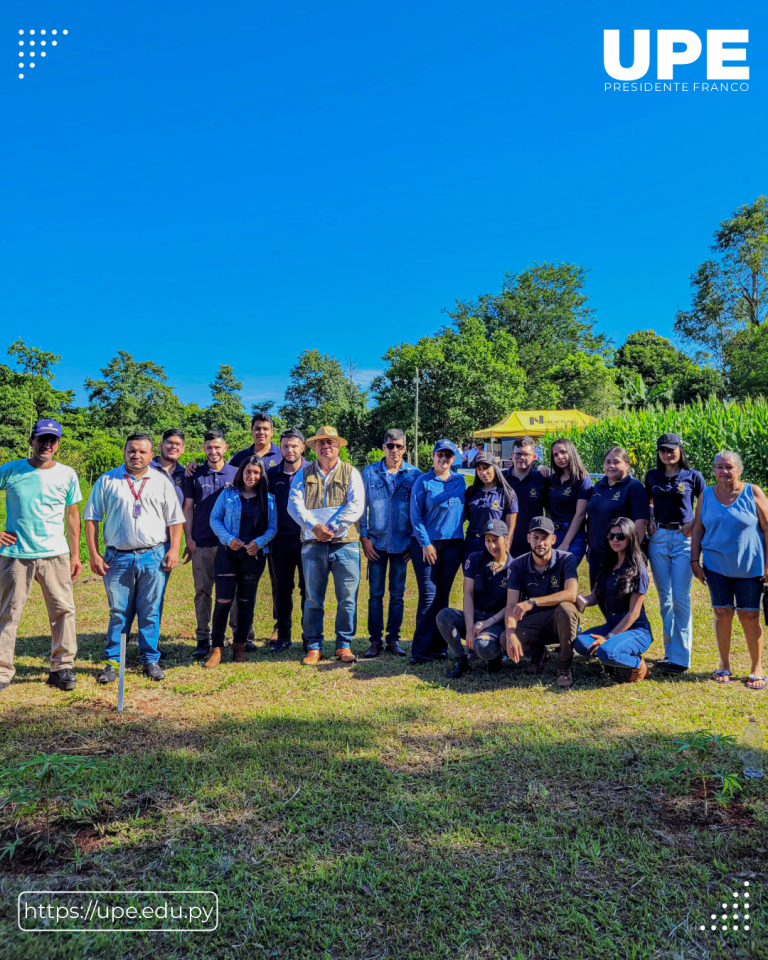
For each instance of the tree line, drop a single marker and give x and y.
(534, 344)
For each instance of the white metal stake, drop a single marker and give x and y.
(121, 678)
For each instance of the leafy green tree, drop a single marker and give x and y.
(468, 380)
(668, 374)
(585, 383)
(544, 309)
(730, 291)
(747, 354)
(134, 396)
(322, 392)
(227, 412)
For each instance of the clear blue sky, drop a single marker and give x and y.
(232, 182)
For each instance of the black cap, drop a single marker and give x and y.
(541, 523)
(497, 528)
(292, 434)
(483, 456)
(669, 440)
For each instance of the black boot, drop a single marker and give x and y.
(460, 666)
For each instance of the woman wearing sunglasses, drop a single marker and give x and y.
(489, 498)
(619, 591)
(672, 488)
(570, 490)
(617, 494)
(437, 547)
(731, 527)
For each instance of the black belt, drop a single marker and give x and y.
(670, 526)
(136, 549)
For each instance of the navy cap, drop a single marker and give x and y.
(484, 456)
(445, 445)
(669, 440)
(292, 434)
(541, 523)
(496, 527)
(47, 427)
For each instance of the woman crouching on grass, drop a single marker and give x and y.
(620, 591)
(244, 518)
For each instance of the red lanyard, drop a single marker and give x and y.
(136, 496)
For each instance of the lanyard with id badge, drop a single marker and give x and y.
(136, 496)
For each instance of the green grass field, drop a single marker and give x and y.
(381, 811)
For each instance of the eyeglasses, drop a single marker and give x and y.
(616, 536)
(395, 446)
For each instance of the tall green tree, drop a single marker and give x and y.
(27, 395)
(667, 373)
(227, 412)
(134, 395)
(747, 353)
(584, 382)
(730, 290)
(468, 380)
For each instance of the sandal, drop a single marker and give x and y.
(755, 682)
(722, 676)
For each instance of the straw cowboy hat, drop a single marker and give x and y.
(326, 433)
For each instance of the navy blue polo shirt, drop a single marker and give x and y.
(673, 496)
(203, 487)
(534, 581)
(176, 476)
(487, 505)
(271, 458)
(489, 588)
(563, 497)
(532, 499)
(280, 487)
(626, 498)
(616, 608)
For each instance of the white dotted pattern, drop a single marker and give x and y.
(32, 43)
(734, 906)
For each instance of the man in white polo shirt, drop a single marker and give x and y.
(137, 506)
(40, 495)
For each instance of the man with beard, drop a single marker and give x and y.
(542, 592)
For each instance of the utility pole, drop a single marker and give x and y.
(416, 422)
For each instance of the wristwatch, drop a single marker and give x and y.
(533, 601)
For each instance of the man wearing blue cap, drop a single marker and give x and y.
(40, 495)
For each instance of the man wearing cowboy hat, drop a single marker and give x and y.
(327, 500)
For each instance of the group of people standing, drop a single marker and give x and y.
(527, 530)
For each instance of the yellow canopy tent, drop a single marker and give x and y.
(534, 423)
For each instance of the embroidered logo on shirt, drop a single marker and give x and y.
(534, 493)
(495, 505)
(553, 581)
(681, 487)
(567, 492)
(617, 495)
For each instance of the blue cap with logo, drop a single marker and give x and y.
(496, 528)
(444, 445)
(47, 427)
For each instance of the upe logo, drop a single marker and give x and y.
(677, 48)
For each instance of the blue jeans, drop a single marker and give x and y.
(578, 545)
(743, 593)
(135, 583)
(623, 650)
(669, 554)
(434, 582)
(342, 561)
(377, 575)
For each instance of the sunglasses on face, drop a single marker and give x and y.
(618, 537)
(444, 455)
(395, 446)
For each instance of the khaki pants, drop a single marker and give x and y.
(203, 579)
(53, 575)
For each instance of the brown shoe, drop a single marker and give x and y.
(238, 653)
(639, 673)
(536, 666)
(214, 660)
(345, 655)
(394, 647)
(313, 657)
(374, 650)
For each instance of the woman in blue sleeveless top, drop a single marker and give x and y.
(731, 527)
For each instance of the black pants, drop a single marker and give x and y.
(284, 561)
(237, 574)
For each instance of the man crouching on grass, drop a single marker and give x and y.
(542, 590)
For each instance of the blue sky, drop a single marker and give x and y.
(235, 182)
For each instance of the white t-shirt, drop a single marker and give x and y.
(111, 500)
(36, 501)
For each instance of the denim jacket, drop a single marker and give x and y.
(225, 518)
(386, 519)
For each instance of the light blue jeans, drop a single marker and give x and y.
(135, 583)
(342, 561)
(623, 650)
(670, 555)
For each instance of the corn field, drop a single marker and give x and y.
(705, 428)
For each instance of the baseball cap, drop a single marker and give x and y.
(444, 445)
(541, 523)
(669, 440)
(43, 427)
(292, 434)
(484, 456)
(497, 527)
